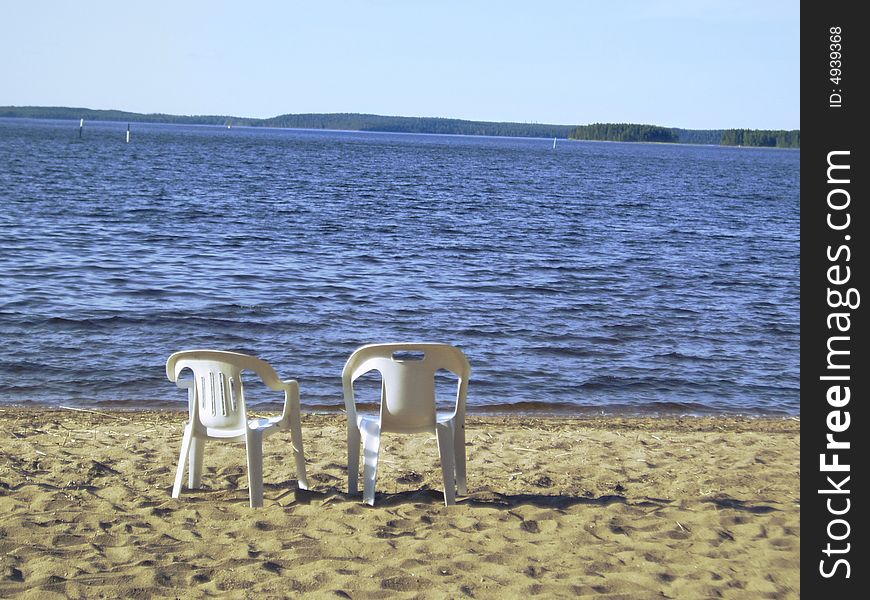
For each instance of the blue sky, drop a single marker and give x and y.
(678, 63)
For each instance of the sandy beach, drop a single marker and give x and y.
(610, 507)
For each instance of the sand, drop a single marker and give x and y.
(609, 507)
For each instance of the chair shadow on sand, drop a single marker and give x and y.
(286, 494)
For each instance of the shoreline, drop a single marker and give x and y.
(531, 410)
(620, 506)
(689, 422)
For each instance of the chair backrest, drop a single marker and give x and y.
(408, 384)
(219, 398)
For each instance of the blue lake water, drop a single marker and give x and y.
(593, 277)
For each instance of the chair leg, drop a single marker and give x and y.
(182, 460)
(448, 467)
(371, 438)
(254, 444)
(194, 473)
(459, 457)
(298, 451)
(353, 442)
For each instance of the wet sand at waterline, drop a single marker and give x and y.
(609, 507)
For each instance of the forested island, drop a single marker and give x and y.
(625, 132)
(762, 137)
(615, 132)
(632, 132)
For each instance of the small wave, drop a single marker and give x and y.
(612, 382)
(89, 323)
(628, 327)
(565, 351)
(679, 356)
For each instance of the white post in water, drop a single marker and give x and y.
(128, 133)
(81, 126)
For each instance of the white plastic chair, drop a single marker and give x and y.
(407, 406)
(217, 410)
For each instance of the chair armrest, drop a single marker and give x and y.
(291, 401)
(189, 385)
(185, 383)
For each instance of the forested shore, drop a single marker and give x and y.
(615, 132)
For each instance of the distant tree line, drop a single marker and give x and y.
(762, 137)
(617, 132)
(630, 132)
(89, 114)
(699, 136)
(623, 132)
(342, 121)
(364, 122)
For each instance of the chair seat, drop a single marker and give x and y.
(265, 423)
(441, 417)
